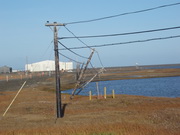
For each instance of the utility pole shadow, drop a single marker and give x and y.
(63, 110)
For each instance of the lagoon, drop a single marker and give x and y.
(156, 87)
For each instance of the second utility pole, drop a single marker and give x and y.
(58, 90)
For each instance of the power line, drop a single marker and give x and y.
(123, 14)
(77, 38)
(72, 51)
(129, 42)
(85, 45)
(100, 59)
(47, 48)
(123, 34)
(70, 58)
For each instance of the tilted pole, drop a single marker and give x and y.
(81, 74)
(58, 85)
(86, 83)
(14, 98)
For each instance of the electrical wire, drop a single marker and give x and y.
(129, 42)
(122, 14)
(34, 67)
(77, 55)
(72, 51)
(70, 58)
(123, 34)
(85, 45)
(47, 48)
(78, 38)
(100, 59)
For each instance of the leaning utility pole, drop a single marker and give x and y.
(58, 90)
(81, 74)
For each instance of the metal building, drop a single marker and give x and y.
(48, 65)
(5, 69)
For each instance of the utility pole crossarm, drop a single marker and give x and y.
(54, 24)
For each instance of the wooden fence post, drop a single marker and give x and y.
(113, 94)
(90, 95)
(97, 87)
(104, 92)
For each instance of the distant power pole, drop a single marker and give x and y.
(27, 66)
(58, 90)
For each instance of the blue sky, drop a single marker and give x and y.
(23, 34)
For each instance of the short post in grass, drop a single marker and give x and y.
(90, 95)
(7, 78)
(97, 88)
(104, 92)
(113, 94)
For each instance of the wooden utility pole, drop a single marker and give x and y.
(86, 83)
(81, 74)
(58, 90)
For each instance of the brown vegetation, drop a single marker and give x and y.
(34, 111)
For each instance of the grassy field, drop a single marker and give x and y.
(34, 111)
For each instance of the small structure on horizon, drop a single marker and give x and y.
(48, 65)
(5, 69)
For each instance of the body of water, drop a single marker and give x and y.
(157, 87)
(162, 67)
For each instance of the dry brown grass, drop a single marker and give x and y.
(34, 113)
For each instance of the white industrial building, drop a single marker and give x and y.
(48, 65)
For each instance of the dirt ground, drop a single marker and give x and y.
(34, 110)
